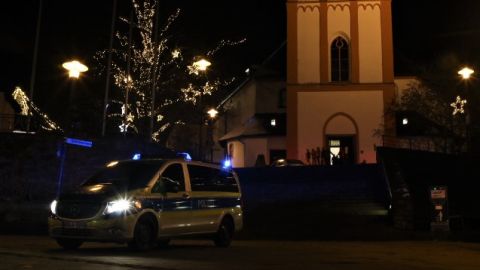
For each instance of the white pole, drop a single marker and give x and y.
(109, 68)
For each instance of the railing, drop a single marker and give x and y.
(431, 144)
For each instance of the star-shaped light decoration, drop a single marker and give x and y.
(159, 118)
(458, 105)
(123, 127)
(130, 118)
(175, 53)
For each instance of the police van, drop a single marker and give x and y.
(147, 202)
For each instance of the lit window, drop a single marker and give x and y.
(334, 142)
(405, 121)
(273, 122)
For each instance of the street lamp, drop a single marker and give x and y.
(201, 64)
(75, 68)
(212, 113)
(465, 72)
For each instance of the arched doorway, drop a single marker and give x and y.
(340, 134)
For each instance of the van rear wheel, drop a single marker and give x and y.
(223, 236)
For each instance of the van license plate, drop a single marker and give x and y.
(74, 224)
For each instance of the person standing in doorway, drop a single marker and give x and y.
(318, 155)
(325, 156)
(308, 156)
(314, 156)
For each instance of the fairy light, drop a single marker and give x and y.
(161, 58)
(458, 105)
(123, 127)
(176, 54)
(28, 108)
(223, 43)
(22, 100)
(130, 117)
(165, 126)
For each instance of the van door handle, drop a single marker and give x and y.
(186, 196)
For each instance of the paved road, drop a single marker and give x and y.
(36, 252)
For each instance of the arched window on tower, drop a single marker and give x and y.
(340, 60)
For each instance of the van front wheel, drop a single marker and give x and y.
(223, 236)
(69, 244)
(144, 235)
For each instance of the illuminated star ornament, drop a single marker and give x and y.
(458, 105)
(175, 54)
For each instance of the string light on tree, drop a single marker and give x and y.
(27, 107)
(157, 66)
(175, 54)
(458, 105)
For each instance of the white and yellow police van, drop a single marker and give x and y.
(146, 202)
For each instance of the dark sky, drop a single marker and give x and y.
(77, 29)
(424, 30)
(427, 31)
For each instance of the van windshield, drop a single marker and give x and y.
(129, 175)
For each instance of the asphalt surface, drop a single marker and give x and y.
(39, 252)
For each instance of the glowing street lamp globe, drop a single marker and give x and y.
(202, 64)
(466, 72)
(75, 68)
(212, 113)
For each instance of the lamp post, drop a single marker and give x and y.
(75, 69)
(466, 73)
(201, 65)
(212, 113)
(34, 60)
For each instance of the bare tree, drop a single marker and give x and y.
(160, 82)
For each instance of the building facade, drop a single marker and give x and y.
(251, 125)
(7, 114)
(340, 77)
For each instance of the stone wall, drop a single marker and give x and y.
(29, 164)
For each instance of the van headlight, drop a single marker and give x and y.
(122, 205)
(53, 207)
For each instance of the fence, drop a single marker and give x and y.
(429, 144)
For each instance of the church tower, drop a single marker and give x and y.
(339, 76)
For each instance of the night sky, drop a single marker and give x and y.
(423, 32)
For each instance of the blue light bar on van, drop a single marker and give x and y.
(185, 155)
(137, 156)
(227, 163)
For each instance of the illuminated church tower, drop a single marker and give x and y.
(339, 76)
